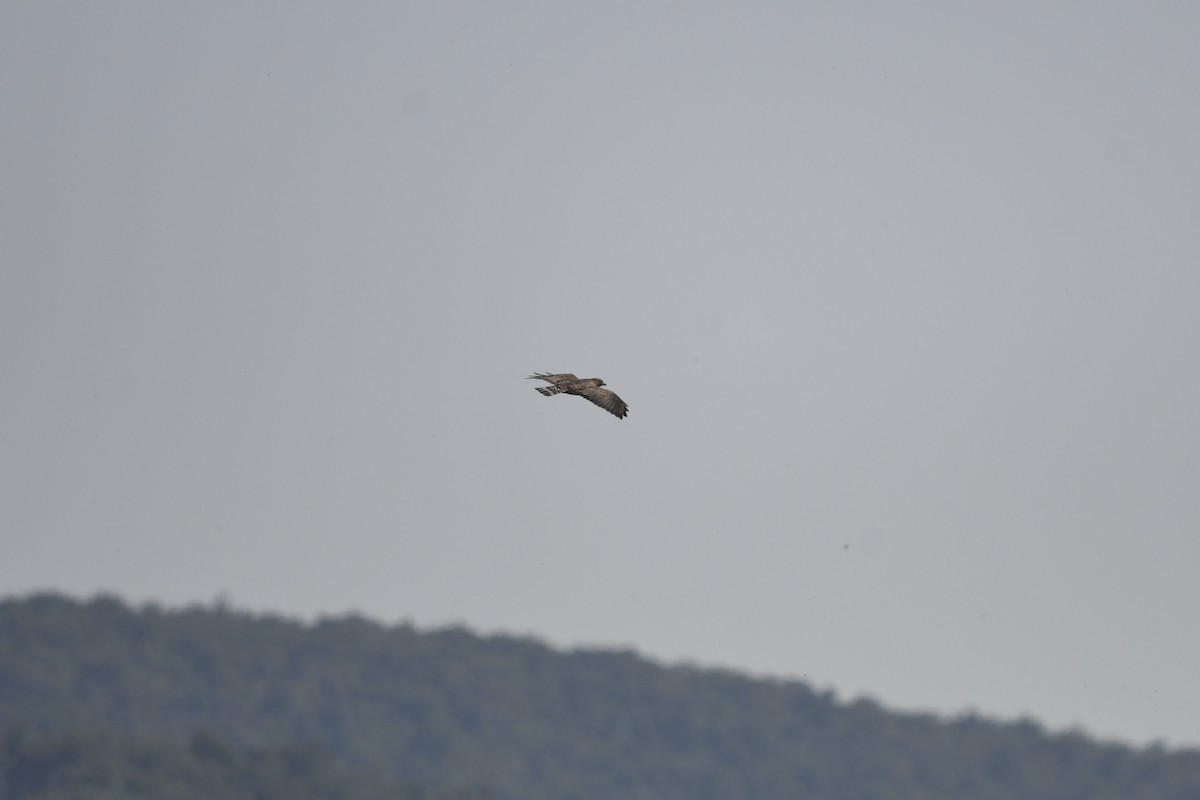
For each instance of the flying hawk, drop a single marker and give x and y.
(567, 383)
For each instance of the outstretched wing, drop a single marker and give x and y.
(559, 378)
(605, 399)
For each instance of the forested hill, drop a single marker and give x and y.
(512, 718)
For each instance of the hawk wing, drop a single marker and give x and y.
(605, 399)
(562, 377)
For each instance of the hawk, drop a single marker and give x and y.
(590, 388)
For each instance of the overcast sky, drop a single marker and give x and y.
(902, 297)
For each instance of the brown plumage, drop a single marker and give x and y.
(590, 388)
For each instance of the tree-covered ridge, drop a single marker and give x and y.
(96, 765)
(448, 709)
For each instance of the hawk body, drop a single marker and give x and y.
(589, 388)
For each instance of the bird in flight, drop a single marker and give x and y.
(590, 388)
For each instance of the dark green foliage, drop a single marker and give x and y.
(448, 709)
(95, 765)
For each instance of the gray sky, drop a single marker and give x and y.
(902, 299)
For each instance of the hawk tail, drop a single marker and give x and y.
(549, 391)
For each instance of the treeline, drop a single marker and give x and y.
(99, 765)
(448, 710)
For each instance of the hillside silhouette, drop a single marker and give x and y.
(98, 765)
(499, 717)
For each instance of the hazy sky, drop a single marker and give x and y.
(902, 297)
